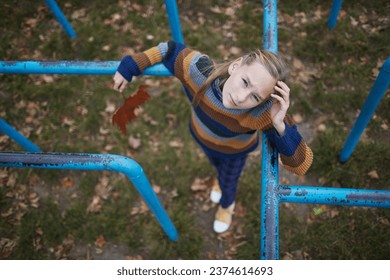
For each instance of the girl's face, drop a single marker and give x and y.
(247, 85)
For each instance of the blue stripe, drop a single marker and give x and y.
(174, 49)
(288, 143)
(128, 68)
(216, 127)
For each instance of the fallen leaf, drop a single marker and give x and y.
(373, 174)
(157, 189)
(110, 108)
(297, 64)
(79, 13)
(126, 113)
(103, 189)
(100, 241)
(321, 127)
(106, 48)
(67, 182)
(95, 205)
(104, 131)
(137, 257)
(198, 185)
(6, 247)
(140, 208)
(134, 143)
(3, 177)
(297, 118)
(176, 144)
(32, 22)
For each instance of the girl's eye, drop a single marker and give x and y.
(245, 82)
(256, 98)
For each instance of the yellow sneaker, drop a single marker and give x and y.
(223, 218)
(216, 193)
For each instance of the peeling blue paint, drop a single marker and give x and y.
(73, 67)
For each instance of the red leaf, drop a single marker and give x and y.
(126, 113)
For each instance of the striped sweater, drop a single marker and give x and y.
(226, 133)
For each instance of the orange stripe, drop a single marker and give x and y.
(142, 61)
(186, 67)
(154, 55)
(305, 165)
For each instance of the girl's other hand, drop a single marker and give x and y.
(281, 102)
(120, 82)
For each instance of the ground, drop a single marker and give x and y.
(65, 214)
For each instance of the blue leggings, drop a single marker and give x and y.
(229, 171)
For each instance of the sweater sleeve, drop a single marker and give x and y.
(181, 61)
(295, 154)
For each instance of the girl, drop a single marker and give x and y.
(231, 102)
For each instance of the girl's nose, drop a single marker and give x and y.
(242, 96)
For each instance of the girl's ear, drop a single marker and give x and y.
(234, 65)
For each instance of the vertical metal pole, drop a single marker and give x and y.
(61, 18)
(18, 137)
(270, 26)
(334, 12)
(174, 21)
(269, 237)
(377, 91)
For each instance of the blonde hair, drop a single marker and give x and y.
(273, 63)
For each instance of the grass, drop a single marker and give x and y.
(69, 114)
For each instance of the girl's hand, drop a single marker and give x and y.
(280, 104)
(120, 82)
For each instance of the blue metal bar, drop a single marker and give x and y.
(107, 162)
(269, 236)
(18, 137)
(334, 12)
(334, 196)
(61, 18)
(270, 26)
(269, 239)
(381, 83)
(174, 21)
(75, 67)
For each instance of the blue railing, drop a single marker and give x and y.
(36, 159)
(90, 162)
(272, 193)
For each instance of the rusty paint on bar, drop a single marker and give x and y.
(334, 196)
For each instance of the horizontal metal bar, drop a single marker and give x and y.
(334, 196)
(107, 162)
(73, 67)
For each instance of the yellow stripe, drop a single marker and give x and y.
(154, 55)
